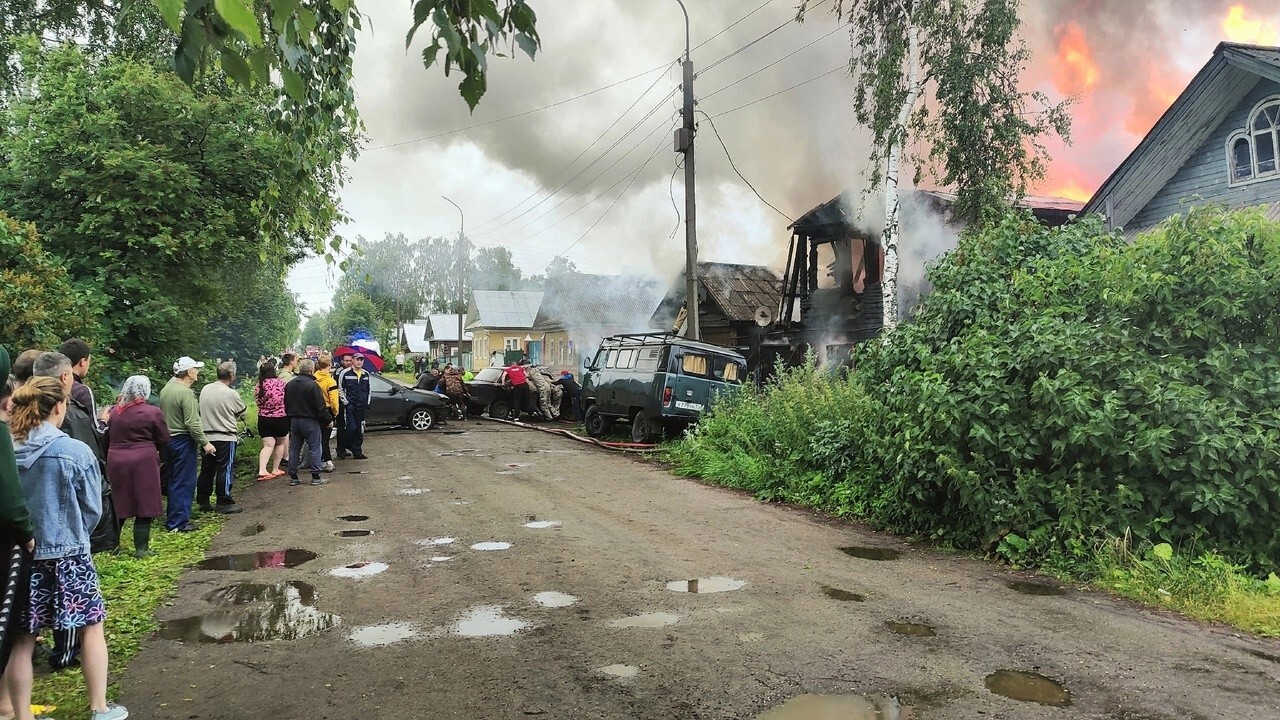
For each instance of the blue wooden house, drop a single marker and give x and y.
(1217, 143)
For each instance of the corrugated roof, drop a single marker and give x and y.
(415, 334)
(443, 327)
(505, 308)
(580, 300)
(736, 289)
(1216, 90)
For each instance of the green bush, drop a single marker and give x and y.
(1060, 386)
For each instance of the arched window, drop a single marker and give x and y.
(1252, 152)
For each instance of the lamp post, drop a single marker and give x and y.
(684, 144)
(462, 277)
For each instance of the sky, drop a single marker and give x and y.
(570, 180)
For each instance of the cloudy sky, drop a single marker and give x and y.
(592, 178)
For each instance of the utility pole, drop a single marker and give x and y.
(462, 275)
(684, 144)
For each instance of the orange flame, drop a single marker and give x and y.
(1239, 28)
(1070, 190)
(1075, 72)
(1159, 93)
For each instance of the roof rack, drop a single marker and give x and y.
(666, 337)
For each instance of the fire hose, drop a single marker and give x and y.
(615, 446)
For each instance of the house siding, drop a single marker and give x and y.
(1204, 177)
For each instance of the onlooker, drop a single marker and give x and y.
(22, 365)
(519, 383)
(78, 352)
(346, 360)
(137, 436)
(16, 531)
(221, 411)
(354, 385)
(400, 361)
(273, 424)
(186, 435)
(288, 363)
(63, 487)
(329, 388)
(305, 404)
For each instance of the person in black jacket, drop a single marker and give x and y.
(304, 404)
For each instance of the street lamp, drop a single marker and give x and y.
(462, 278)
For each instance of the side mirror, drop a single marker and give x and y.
(394, 390)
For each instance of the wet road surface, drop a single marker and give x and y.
(513, 574)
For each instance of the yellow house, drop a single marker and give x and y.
(502, 326)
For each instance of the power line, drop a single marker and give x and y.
(733, 24)
(740, 175)
(775, 62)
(519, 114)
(773, 95)
(754, 42)
(579, 157)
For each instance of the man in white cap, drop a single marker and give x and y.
(182, 415)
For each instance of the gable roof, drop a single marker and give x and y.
(737, 290)
(443, 327)
(504, 308)
(1216, 90)
(415, 334)
(584, 300)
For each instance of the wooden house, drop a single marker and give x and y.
(578, 310)
(501, 326)
(1217, 143)
(730, 297)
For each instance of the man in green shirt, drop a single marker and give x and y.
(182, 415)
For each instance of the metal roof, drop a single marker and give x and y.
(504, 308)
(737, 290)
(443, 327)
(415, 334)
(582, 300)
(1220, 86)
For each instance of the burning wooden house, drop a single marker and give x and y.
(735, 302)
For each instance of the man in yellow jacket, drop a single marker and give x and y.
(329, 387)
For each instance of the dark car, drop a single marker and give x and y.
(394, 403)
(657, 382)
(490, 393)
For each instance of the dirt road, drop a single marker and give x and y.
(779, 609)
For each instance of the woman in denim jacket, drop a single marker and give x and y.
(63, 486)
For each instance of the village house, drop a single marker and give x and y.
(1217, 143)
(578, 310)
(735, 302)
(413, 337)
(501, 326)
(442, 339)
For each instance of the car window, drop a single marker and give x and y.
(612, 359)
(695, 365)
(727, 370)
(626, 358)
(493, 375)
(377, 384)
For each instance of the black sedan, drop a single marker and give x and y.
(489, 393)
(394, 403)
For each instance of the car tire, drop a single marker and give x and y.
(597, 422)
(642, 430)
(422, 419)
(499, 409)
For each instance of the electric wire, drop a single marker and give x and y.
(766, 67)
(733, 24)
(733, 165)
(756, 41)
(784, 90)
(519, 114)
(671, 190)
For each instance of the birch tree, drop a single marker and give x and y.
(937, 83)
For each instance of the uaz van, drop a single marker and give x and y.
(656, 382)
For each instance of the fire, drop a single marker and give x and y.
(1070, 190)
(1158, 94)
(1075, 72)
(1240, 28)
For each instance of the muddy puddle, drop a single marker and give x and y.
(491, 546)
(911, 629)
(706, 585)
(428, 542)
(380, 635)
(251, 530)
(1028, 687)
(412, 491)
(359, 570)
(463, 452)
(871, 553)
(839, 707)
(254, 612)
(353, 533)
(1027, 587)
(487, 621)
(554, 599)
(620, 671)
(842, 595)
(245, 562)
(542, 524)
(353, 518)
(441, 558)
(647, 620)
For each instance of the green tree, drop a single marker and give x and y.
(356, 310)
(40, 305)
(554, 269)
(261, 317)
(494, 269)
(151, 193)
(937, 83)
(316, 331)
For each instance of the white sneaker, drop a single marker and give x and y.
(327, 467)
(113, 712)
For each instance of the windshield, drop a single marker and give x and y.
(492, 375)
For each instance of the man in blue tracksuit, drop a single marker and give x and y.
(353, 388)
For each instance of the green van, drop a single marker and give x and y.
(655, 381)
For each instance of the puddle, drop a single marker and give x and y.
(436, 541)
(357, 472)
(258, 612)
(705, 585)
(554, 599)
(871, 553)
(487, 621)
(842, 595)
(621, 671)
(543, 524)
(516, 466)
(441, 558)
(405, 477)
(251, 530)
(359, 570)
(245, 562)
(648, 620)
(1035, 588)
(380, 635)
(463, 452)
(412, 491)
(354, 533)
(1028, 687)
(911, 629)
(353, 518)
(491, 546)
(839, 707)
(461, 502)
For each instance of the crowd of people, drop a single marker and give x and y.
(536, 391)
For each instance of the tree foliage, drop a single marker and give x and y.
(40, 304)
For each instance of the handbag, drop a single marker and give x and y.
(106, 535)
